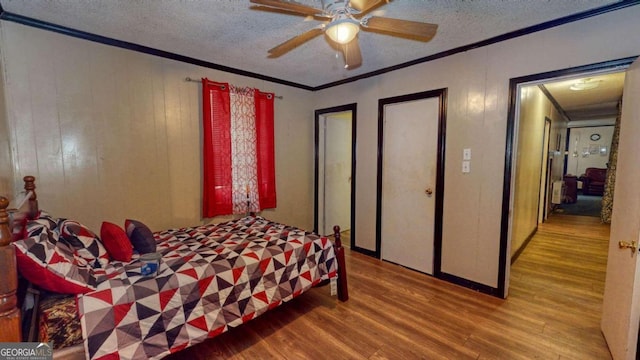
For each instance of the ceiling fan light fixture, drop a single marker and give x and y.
(585, 84)
(342, 31)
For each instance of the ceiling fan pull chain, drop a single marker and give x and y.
(345, 51)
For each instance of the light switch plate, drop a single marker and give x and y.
(466, 154)
(466, 167)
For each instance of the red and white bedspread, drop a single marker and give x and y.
(211, 278)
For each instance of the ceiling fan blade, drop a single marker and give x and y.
(290, 5)
(403, 28)
(352, 55)
(368, 7)
(364, 5)
(294, 42)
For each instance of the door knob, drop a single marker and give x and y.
(625, 245)
(428, 191)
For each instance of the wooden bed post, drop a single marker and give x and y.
(30, 185)
(9, 314)
(343, 290)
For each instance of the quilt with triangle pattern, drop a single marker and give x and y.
(211, 278)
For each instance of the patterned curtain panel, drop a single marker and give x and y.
(244, 170)
(238, 150)
(607, 197)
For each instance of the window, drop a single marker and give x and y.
(238, 153)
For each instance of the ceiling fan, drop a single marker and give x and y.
(343, 20)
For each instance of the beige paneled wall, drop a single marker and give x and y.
(477, 107)
(6, 169)
(113, 134)
(535, 107)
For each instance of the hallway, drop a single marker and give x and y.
(559, 280)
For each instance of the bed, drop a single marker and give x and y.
(210, 278)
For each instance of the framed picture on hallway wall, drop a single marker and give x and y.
(603, 150)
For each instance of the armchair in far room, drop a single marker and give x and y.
(593, 181)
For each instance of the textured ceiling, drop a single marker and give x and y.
(592, 104)
(229, 33)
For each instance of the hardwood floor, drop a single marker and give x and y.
(552, 312)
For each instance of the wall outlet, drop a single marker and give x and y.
(466, 154)
(466, 167)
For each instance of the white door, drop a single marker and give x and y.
(335, 169)
(409, 169)
(621, 303)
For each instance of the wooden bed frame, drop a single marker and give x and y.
(10, 329)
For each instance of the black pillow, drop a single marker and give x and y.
(141, 236)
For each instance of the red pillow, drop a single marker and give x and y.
(116, 241)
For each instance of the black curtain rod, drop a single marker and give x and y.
(200, 81)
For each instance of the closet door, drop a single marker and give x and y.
(409, 174)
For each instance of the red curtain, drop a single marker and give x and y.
(218, 158)
(217, 182)
(265, 150)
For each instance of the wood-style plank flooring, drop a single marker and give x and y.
(552, 312)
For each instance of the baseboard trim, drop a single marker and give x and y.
(443, 276)
(523, 246)
(486, 289)
(365, 251)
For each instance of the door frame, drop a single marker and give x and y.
(504, 267)
(353, 107)
(548, 166)
(441, 94)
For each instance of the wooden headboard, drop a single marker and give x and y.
(11, 229)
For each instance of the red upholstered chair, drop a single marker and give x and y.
(593, 181)
(570, 189)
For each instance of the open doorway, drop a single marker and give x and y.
(587, 164)
(590, 104)
(335, 139)
(563, 142)
(617, 301)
